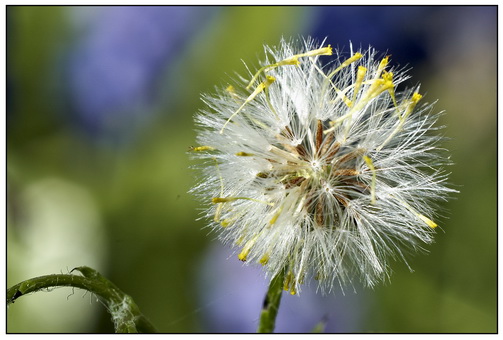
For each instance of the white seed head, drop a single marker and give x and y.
(316, 164)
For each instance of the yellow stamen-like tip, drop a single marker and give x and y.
(202, 148)
(320, 51)
(369, 162)
(388, 84)
(242, 256)
(429, 222)
(225, 223)
(244, 154)
(416, 97)
(290, 61)
(327, 50)
(263, 261)
(220, 200)
(275, 217)
(269, 80)
(388, 76)
(286, 282)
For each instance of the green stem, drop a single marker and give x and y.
(271, 304)
(125, 313)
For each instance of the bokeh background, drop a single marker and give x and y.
(100, 103)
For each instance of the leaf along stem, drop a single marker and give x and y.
(125, 313)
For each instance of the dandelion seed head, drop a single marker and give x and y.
(318, 164)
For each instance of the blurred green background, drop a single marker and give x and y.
(100, 103)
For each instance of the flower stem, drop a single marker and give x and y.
(125, 313)
(271, 304)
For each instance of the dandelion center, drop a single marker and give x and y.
(320, 171)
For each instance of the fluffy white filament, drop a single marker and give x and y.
(317, 164)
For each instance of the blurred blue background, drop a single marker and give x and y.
(100, 103)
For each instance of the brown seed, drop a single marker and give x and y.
(294, 182)
(302, 151)
(262, 175)
(320, 219)
(363, 186)
(319, 136)
(345, 172)
(327, 143)
(343, 201)
(287, 132)
(349, 156)
(332, 150)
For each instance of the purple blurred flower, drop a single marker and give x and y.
(231, 296)
(120, 57)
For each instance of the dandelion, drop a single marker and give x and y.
(317, 166)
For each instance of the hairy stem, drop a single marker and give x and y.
(271, 304)
(125, 313)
